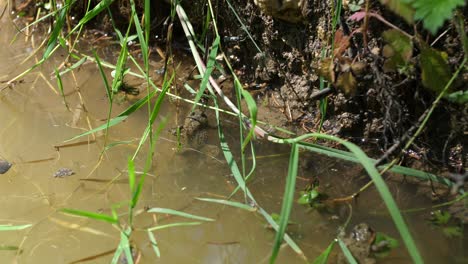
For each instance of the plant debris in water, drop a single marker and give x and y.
(63, 172)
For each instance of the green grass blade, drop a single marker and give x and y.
(174, 225)
(131, 176)
(114, 121)
(154, 243)
(209, 70)
(6, 247)
(346, 252)
(124, 246)
(95, 11)
(117, 253)
(91, 215)
(288, 200)
(287, 238)
(154, 112)
(138, 104)
(14, 227)
(51, 44)
(140, 33)
(178, 213)
(229, 203)
(120, 68)
(60, 87)
(323, 258)
(252, 106)
(103, 77)
(74, 66)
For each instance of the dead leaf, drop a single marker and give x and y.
(347, 83)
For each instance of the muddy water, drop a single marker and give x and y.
(35, 120)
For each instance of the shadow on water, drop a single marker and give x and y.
(34, 120)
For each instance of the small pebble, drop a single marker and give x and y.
(4, 166)
(63, 172)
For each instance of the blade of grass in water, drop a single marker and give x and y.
(60, 87)
(252, 106)
(229, 203)
(103, 77)
(59, 22)
(124, 246)
(178, 213)
(91, 215)
(131, 176)
(114, 121)
(74, 66)
(101, 6)
(323, 258)
(154, 243)
(6, 247)
(159, 227)
(346, 252)
(14, 227)
(288, 200)
(209, 69)
(155, 112)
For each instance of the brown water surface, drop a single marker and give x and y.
(34, 119)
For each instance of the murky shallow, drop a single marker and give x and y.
(34, 120)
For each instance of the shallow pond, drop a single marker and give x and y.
(35, 122)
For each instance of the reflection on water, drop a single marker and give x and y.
(35, 120)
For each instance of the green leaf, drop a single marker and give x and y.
(346, 252)
(207, 73)
(55, 33)
(230, 203)
(159, 227)
(322, 259)
(440, 217)
(12, 227)
(433, 13)
(91, 215)
(95, 11)
(7, 247)
(435, 72)
(74, 66)
(154, 244)
(460, 97)
(124, 246)
(178, 213)
(114, 121)
(252, 106)
(452, 231)
(131, 175)
(288, 198)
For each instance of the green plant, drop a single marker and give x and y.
(432, 13)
